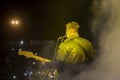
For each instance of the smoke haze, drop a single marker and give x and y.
(106, 30)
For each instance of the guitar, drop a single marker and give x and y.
(31, 55)
(49, 74)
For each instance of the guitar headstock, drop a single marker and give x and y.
(25, 53)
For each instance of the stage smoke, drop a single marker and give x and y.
(106, 29)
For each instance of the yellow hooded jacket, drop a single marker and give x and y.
(75, 50)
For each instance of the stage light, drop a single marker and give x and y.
(33, 62)
(15, 22)
(25, 74)
(39, 72)
(13, 49)
(14, 77)
(12, 22)
(21, 42)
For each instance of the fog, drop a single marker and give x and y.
(106, 30)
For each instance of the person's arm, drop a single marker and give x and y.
(61, 52)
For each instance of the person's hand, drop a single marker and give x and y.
(43, 61)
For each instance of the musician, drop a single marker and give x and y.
(74, 49)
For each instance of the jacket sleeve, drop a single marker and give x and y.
(61, 52)
(88, 48)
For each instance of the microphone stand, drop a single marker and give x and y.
(54, 63)
(56, 47)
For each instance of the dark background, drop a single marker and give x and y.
(40, 18)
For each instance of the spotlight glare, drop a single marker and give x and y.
(17, 22)
(12, 22)
(14, 77)
(21, 42)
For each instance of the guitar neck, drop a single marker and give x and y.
(31, 55)
(40, 58)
